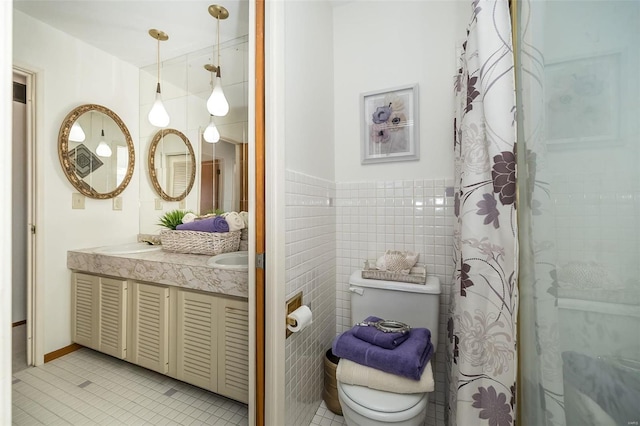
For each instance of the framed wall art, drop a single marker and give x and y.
(582, 100)
(390, 125)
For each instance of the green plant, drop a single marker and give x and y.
(172, 219)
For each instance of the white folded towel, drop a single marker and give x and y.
(352, 373)
(188, 218)
(234, 220)
(245, 218)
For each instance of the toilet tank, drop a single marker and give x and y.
(415, 304)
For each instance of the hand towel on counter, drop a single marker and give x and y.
(234, 220)
(352, 373)
(377, 337)
(212, 224)
(407, 360)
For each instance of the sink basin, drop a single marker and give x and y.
(129, 248)
(237, 261)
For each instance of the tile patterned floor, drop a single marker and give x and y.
(325, 417)
(90, 388)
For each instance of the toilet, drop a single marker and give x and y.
(414, 304)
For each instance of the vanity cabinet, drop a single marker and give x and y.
(233, 356)
(198, 337)
(213, 343)
(150, 327)
(99, 312)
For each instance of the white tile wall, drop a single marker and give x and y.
(310, 268)
(331, 229)
(414, 215)
(596, 220)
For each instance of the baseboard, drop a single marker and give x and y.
(61, 352)
(16, 324)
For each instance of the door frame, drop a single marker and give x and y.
(35, 354)
(274, 292)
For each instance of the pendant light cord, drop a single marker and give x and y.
(218, 43)
(158, 38)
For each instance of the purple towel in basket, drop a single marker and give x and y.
(210, 224)
(407, 360)
(377, 337)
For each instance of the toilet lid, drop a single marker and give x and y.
(377, 400)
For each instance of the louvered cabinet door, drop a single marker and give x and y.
(233, 353)
(197, 339)
(112, 317)
(150, 327)
(84, 310)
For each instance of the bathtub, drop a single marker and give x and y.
(599, 328)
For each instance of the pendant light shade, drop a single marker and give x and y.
(103, 149)
(217, 103)
(211, 133)
(76, 134)
(158, 115)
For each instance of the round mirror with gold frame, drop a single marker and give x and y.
(172, 164)
(96, 151)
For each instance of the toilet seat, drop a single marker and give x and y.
(380, 405)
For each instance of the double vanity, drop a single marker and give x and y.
(183, 315)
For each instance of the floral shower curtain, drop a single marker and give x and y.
(484, 307)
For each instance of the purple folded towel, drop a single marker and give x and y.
(210, 224)
(377, 337)
(220, 224)
(407, 360)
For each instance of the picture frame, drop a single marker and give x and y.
(390, 125)
(582, 101)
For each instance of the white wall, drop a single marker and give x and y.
(309, 88)
(71, 73)
(594, 183)
(310, 188)
(380, 45)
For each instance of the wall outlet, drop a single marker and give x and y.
(117, 203)
(182, 204)
(77, 200)
(158, 204)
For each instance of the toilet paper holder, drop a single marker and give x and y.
(292, 304)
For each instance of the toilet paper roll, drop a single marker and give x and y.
(303, 317)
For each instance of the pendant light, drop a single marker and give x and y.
(158, 115)
(76, 134)
(103, 149)
(211, 133)
(217, 103)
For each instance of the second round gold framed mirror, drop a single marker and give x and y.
(172, 164)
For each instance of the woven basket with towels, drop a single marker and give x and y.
(196, 242)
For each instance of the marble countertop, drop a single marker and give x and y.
(162, 267)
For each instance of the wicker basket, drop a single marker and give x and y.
(417, 275)
(196, 242)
